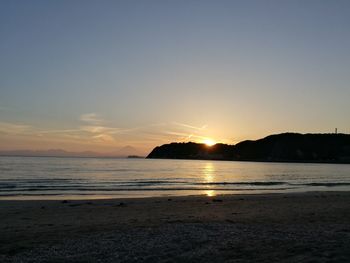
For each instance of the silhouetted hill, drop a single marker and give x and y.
(285, 147)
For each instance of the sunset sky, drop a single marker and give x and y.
(100, 75)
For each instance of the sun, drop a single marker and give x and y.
(209, 142)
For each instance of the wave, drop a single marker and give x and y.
(327, 184)
(152, 185)
(101, 191)
(141, 185)
(243, 183)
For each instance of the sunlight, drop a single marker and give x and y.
(208, 172)
(208, 176)
(210, 193)
(209, 142)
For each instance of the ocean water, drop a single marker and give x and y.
(90, 178)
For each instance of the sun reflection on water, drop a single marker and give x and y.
(209, 193)
(208, 177)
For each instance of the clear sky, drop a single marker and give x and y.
(99, 75)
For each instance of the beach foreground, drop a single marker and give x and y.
(299, 227)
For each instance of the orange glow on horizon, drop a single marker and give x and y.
(209, 142)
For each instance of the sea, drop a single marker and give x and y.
(33, 178)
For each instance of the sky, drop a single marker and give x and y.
(100, 75)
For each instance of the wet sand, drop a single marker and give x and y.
(299, 227)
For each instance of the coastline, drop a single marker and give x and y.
(264, 227)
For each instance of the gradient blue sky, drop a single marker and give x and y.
(98, 75)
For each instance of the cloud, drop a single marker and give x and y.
(186, 136)
(12, 128)
(164, 132)
(91, 118)
(61, 131)
(96, 130)
(190, 126)
(103, 138)
(91, 128)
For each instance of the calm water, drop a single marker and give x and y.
(74, 178)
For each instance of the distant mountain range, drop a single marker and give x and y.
(285, 147)
(119, 153)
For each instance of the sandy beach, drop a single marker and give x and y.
(299, 227)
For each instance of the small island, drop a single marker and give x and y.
(285, 147)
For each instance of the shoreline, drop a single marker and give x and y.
(122, 194)
(229, 196)
(218, 227)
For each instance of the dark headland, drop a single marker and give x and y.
(285, 147)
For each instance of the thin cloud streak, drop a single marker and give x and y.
(190, 126)
(92, 118)
(13, 128)
(94, 131)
